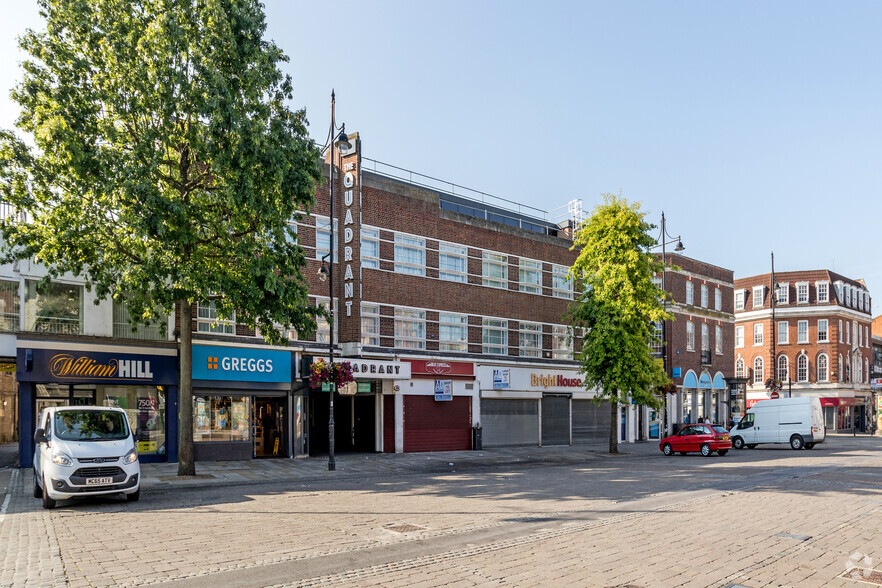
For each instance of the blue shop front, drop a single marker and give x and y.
(143, 381)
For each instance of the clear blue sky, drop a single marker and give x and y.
(755, 126)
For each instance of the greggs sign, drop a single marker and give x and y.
(554, 381)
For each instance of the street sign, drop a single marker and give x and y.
(348, 389)
(773, 395)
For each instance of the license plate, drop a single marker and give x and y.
(725, 437)
(98, 481)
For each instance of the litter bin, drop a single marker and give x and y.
(477, 440)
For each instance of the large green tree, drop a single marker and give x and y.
(163, 164)
(617, 307)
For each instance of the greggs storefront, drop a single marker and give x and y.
(143, 381)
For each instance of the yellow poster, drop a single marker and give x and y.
(146, 446)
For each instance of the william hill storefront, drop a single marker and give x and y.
(143, 381)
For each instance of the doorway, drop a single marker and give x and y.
(354, 423)
(268, 423)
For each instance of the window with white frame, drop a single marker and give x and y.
(823, 291)
(690, 292)
(704, 298)
(370, 324)
(410, 255)
(561, 343)
(494, 270)
(718, 339)
(860, 300)
(323, 329)
(718, 298)
(690, 336)
(841, 373)
(530, 342)
(739, 299)
(758, 334)
(739, 368)
(860, 333)
(453, 332)
(323, 237)
(783, 374)
(739, 336)
(840, 330)
(655, 341)
(823, 331)
(291, 232)
(410, 328)
(802, 331)
(657, 282)
(530, 276)
(847, 333)
(705, 337)
(452, 262)
(822, 369)
(370, 247)
(758, 296)
(758, 370)
(561, 286)
(802, 292)
(208, 320)
(783, 294)
(802, 368)
(494, 336)
(783, 332)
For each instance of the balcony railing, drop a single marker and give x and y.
(57, 325)
(9, 322)
(142, 332)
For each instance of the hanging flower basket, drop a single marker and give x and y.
(669, 388)
(773, 385)
(322, 373)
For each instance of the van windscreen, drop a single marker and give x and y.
(90, 425)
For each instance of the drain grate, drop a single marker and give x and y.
(404, 528)
(863, 575)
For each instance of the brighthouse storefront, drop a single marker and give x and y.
(241, 402)
(142, 381)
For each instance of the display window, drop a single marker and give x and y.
(221, 418)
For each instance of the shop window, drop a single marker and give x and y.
(208, 320)
(453, 332)
(561, 285)
(561, 342)
(123, 328)
(530, 276)
(53, 308)
(410, 255)
(530, 339)
(370, 324)
(494, 336)
(494, 270)
(410, 328)
(370, 248)
(9, 306)
(452, 262)
(221, 418)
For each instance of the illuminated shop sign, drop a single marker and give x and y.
(55, 365)
(241, 364)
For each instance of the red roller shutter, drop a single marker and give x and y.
(437, 426)
(388, 424)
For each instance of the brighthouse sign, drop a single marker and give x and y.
(241, 364)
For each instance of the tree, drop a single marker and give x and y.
(165, 165)
(618, 306)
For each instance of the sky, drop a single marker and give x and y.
(754, 126)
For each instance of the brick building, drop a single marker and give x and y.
(698, 353)
(818, 344)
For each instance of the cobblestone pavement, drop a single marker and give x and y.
(526, 517)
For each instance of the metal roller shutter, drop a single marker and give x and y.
(555, 420)
(437, 426)
(509, 422)
(590, 422)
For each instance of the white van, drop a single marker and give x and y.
(798, 421)
(84, 451)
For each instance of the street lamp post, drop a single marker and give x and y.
(679, 247)
(335, 139)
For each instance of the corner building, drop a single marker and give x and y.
(818, 344)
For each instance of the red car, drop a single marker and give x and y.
(703, 438)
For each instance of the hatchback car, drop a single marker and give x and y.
(703, 438)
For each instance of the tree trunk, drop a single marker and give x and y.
(614, 427)
(186, 457)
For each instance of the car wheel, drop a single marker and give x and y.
(723, 451)
(706, 450)
(751, 446)
(134, 496)
(809, 445)
(48, 503)
(667, 449)
(738, 443)
(796, 442)
(38, 492)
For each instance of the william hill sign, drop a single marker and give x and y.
(54, 365)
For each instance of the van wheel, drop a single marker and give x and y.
(706, 450)
(738, 443)
(134, 496)
(809, 445)
(667, 449)
(48, 503)
(796, 442)
(38, 492)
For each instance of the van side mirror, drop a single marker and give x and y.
(40, 436)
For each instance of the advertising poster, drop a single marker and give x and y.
(501, 379)
(202, 420)
(443, 390)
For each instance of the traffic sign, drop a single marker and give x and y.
(773, 395)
